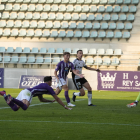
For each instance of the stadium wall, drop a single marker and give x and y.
(12, 76)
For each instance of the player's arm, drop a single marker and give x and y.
(40, 97)
(76, 73)
(89, 68)
(58, 67)
(51, 91)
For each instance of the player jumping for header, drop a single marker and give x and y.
(80, 82)
(63, 67)
(24, 98)
(135, 103)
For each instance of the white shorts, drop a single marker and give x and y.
(24, 94)
(61, 82)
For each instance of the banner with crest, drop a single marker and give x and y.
(119, 80)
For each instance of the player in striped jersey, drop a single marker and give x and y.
(24, 98)
(80, 82)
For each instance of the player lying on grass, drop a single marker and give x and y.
(135, 103)
(63, 67)
(80, 82)
(24, 98)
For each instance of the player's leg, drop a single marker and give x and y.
(88, 87)
(81, 93)
(24, 104)
(13, 106)
(66, 89)
(135, 103)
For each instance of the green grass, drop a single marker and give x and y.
(110, 119)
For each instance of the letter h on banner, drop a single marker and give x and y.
(125, 75)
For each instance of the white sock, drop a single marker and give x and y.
(77, 93)
(89, 97)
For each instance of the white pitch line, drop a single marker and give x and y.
(41, 104)
(138, 125)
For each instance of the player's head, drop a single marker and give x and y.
(66, 56)
(79, 54)
(48, 80)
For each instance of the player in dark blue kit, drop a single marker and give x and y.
(24, 98)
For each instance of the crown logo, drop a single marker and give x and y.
(108, 80)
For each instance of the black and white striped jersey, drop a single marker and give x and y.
(78, 65)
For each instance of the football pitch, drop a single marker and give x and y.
(109, 120)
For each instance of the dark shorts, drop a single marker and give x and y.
(79, 83)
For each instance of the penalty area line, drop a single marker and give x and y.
(41, 104)
(88, 123)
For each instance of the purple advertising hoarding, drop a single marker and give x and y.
(119, 80)
(29, 81)
(1, 77)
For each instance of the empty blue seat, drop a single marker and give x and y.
(75, 50)
(103, 1)
(115, 61)
(88, 26)
(72, 25)
(117, 9)
(98, 17)
(47, 60)
(51, 50)
(2, 49)
(22, 59)
(10, 50)
(106, 17)
(96, 26)
(135, 1)
(114, 17)
(62, 34)
(102, 34)
(14, 59)
(89, 61)
(110, 34)
(86, 34)
(18, 50)
(90, 17)
(34, 50)
(6, 59)
(128, 26)
(118, 34)
(54, 34)
(26, 50)
(83, 17)
(93, 34)
(39, 60)
(78, 34)
(68, 50)
(133, 9)
(112, 26)
(120, 26)
(59, 50)
(127, 2)
(31, 59)
(109, 9)
(80, 26)
(130, 17)
(95, 1)
(101, 9)
(111, 1)
(93, 9)
(106, 61)
(104, 26)
(119, 1)
(125, 9)
(126, 35)
(122, 17)
(55, 60)
(70, 34)
(43, 50)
